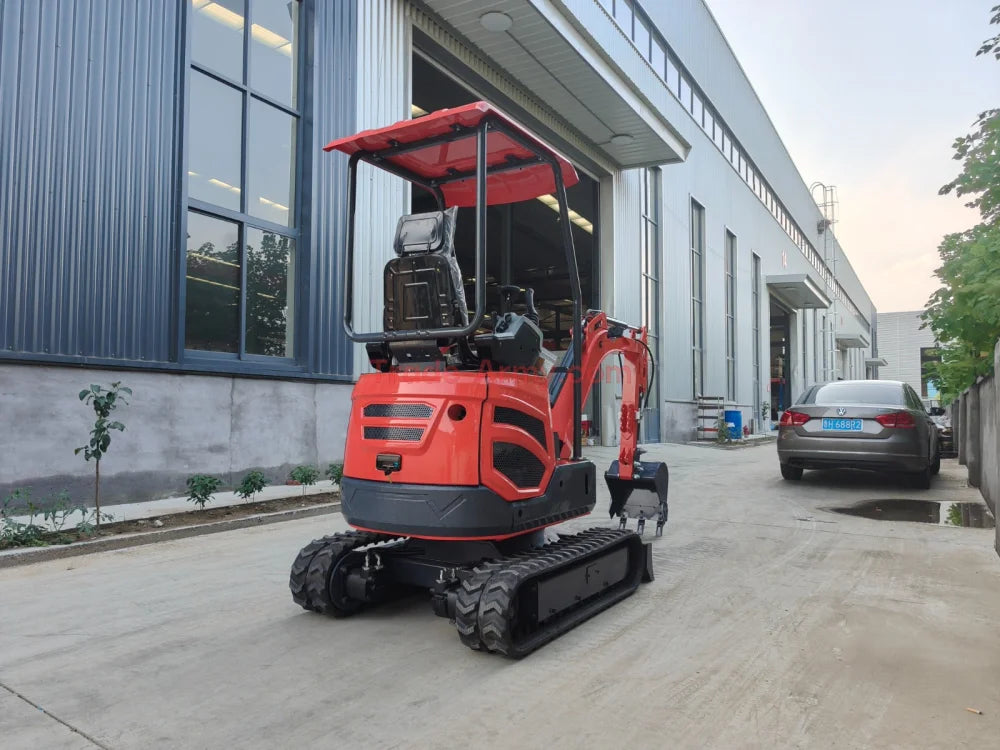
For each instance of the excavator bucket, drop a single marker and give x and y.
(644, 496)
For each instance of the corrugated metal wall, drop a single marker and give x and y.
(91, 97)
(334, 109)
(89, 195)
(383, 96)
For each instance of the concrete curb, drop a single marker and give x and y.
(735, 445)
(26, 556)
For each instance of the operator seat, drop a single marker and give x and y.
(423, 284)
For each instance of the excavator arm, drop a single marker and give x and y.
(638, 489)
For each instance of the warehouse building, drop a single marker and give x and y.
(169, 219)
(907, 346)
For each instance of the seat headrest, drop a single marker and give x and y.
(426, 233)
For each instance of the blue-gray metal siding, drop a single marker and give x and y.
(91, 98)
(88, 189)
(333, 106)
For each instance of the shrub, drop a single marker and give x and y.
(335, 472)
(60, 510)
(252, 483)
(14, 533)
(200, 488)
(91, 521)
(304, 475)
(722, 430)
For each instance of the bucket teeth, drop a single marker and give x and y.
(644, 496)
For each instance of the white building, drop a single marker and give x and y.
(906, 345)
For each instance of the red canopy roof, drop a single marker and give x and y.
(442, 160)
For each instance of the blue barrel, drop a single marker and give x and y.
(734, 420)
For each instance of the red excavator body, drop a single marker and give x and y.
(460, 448)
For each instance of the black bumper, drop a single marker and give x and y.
(450, 512)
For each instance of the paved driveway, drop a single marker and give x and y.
(772, 623)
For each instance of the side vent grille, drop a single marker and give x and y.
(518, 464)
(532, 425)
(415, 411)
(409, 434)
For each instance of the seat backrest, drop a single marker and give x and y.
(423, 285)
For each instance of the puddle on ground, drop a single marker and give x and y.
(972, 515)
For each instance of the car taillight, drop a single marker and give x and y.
(792, 418)
(899, 419)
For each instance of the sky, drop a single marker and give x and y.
(869, 95)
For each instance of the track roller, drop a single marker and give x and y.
(539, 596)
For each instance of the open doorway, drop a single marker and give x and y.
(780, 358)
(524, 240)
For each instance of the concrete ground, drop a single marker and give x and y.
(772, 623)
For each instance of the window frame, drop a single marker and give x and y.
(730, 263)
(242, 361)
(651, 269)
(756, 323)
(697, 255)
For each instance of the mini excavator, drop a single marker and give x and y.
(461, 449)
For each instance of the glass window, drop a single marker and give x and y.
(271, 163)
(709, 124)
(274, 48)
(673, 77)
(685, 94)
(650, 290)
(217, 36)
(755, 303)
(697, 108)
(658, 58)
(214, 143)
(641, 36)
(697, 297)
(241, 170)
(270, 284)
(623, 15)
(212, 300)
(730, 287)
(869, 392)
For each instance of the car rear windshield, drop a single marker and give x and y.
(872, 392)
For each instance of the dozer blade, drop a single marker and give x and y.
(644, 496)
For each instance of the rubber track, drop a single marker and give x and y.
(297, 579)
(322, 554)
(499, 594)
(467, 604)
(471, 590)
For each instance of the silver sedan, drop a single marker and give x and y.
(880, 425)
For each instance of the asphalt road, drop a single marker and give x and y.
(772, 623)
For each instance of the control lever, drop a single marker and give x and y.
(509, 290)
(529, 301)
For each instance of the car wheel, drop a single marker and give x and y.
(922, 479)
(791, 472)
(936, 466)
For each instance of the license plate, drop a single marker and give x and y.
(842, 425)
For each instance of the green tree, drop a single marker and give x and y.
(964, 312)
(103, 401)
